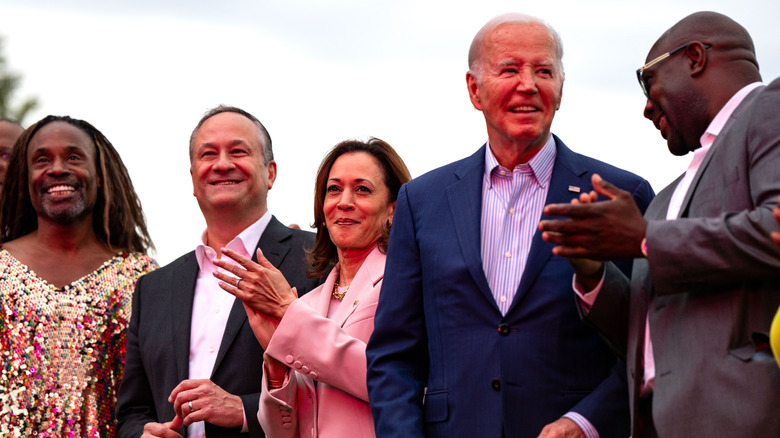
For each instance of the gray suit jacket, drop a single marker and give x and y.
(710, 286)
(158, 338)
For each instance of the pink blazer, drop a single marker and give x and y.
(331, 352)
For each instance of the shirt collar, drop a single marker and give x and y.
(245, 243)
(540, 164)
(720, 119)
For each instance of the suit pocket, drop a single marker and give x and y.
(435, 407)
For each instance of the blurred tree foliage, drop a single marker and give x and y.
(9, 82)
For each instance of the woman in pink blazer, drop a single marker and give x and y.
(314, 382)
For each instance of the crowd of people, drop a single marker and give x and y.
(525, 291)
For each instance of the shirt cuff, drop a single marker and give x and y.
(587, 298)
(583, 423)
(245, 427)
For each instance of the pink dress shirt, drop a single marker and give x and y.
(211, 307)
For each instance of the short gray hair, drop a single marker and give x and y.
(475, 51)
(263, 136)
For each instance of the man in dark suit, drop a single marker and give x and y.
(706, 280)
(476, 332)
(192, 358)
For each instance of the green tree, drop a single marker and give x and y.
(9, 82)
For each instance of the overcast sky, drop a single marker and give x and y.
(318, 72)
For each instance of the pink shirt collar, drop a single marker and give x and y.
(245, 244)
(717, 123)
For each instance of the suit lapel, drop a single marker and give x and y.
(716, 145)
(465, 200)
(370, 272)
(322, 303)
(183, 290)
(272, 242)
(275, 251)
(568, 171)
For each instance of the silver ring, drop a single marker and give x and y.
(238, 281)
(189, 403)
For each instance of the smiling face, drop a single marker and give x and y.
(675, 106)
(227, 167)
(518, 84)
(62, 177)
(357, 202)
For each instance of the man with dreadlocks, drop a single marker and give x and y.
(74, 240)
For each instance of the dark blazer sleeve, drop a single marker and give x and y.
(136, 404)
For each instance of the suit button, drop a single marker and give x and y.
(313, 375)
(496, 384)
(297, 364)
(503, 329)
(289, 358)
(305, 369)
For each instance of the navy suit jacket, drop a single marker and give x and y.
(158, 338)
(444, 362)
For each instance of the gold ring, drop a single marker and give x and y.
(189, 403)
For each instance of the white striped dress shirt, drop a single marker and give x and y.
(512, 203)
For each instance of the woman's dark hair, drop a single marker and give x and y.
(324, 255)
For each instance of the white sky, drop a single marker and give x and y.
(318, 72)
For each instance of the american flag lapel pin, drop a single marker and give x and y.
(574, 189)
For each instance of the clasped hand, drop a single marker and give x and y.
(604, 230)
(198, 400)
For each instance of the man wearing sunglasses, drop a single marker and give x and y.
(705, 282)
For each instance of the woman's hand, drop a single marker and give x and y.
(276, 371)
(263, 326)
(260, 286)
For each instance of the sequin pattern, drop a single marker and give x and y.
(63, 349)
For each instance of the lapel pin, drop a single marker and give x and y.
(574, 189)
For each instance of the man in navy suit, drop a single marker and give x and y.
(476, 330)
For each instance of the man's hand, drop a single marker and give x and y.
(166, 430)
(603, 230)
(588, 271)
(209, 403)
(562, 428)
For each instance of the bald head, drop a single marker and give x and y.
(700, 64)
(733, 53)
(476, 49)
